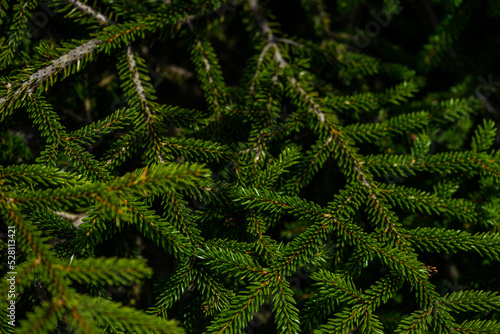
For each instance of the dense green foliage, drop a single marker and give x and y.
(250, 166)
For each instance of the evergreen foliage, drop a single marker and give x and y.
(211, 166)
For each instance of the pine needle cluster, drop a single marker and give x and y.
(205, 166)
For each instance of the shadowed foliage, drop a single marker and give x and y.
(249, 166)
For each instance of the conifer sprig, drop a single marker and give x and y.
(321, 187)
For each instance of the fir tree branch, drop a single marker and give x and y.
(103, 19)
